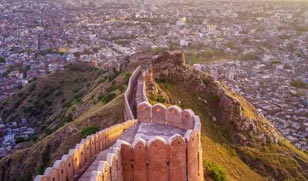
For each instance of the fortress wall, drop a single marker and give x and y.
(129, 97)
(144, 112)
(76, 159)
(139, 160)
(87, 149)
(176, 159)
(127, 154)
(159, 114)
(173, 116)
(60, 165)
(158, 159)
(41, 178)
(141, 90)
(81, 152)
(192, 155)
(145, 76)
(52, 173)
(71, 163)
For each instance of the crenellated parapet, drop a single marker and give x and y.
(73, 163)
(173, 115)
(177, 158)
(129, 94)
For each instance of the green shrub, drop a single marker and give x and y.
(49, 131)
(89, 130)
(20, 140)
(107, 98)
(233, 152)
(112, 87)
(216, 172)
(2, 60)
(206, 81)
(102, 80)
(127, 76)
(157, 98)
(299, 84)
(58, 93)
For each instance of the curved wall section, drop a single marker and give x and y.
(173, 116)
(72, 163)
(129, 94)
(175, 159)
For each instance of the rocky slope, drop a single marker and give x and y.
(231, 124)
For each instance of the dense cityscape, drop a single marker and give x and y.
(258, 49)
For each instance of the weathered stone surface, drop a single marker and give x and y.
(91, 138)
(140, 158)
(118, 163)
(82, 155)
(96, 176)
(192, 155)
(158, 154)
(41, 178)
(127, 155)
(177, 152)
(159, 114)
(187, 121)
(111, 159)
(74, 153)
(173, 116)
(69, 162)
(61, 167)
(87, 149)
(144, 112)
(103, 140)
(105, 169)
(52, 174)
(97, 143)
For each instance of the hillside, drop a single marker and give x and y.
(45, 101)
(235, 136)
(97, 104)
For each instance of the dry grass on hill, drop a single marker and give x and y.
(272, 162)
(26, 163)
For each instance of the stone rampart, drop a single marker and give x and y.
(71, 163)
(129, 95)
(175, 159)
